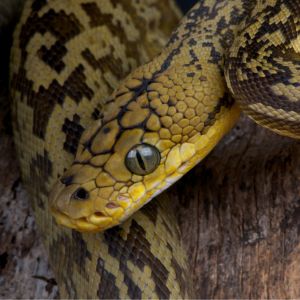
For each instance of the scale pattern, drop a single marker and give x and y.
(67, 57)
(67, 60)
(263, 66)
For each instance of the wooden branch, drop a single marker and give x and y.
(240, 217)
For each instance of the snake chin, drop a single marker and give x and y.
(81, 215)
(83, 224)
(96, 214)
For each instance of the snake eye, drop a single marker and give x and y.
(80, 194)
(142, 159)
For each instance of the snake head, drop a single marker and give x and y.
(102, 188)
(123, 160)
(116, 171)
(148, 137)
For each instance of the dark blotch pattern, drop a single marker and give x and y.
(73, 131)
(107, 286)
(136, 248)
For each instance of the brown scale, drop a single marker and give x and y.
(98, 19)
(107, 285)
(73, 131)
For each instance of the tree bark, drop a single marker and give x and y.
(240, 216)
(24, 269)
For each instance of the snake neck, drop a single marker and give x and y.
(262, 68)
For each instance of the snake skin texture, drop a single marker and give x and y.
(67, 66)
(67, 57)
(262, 68)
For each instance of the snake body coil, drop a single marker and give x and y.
(159, 122)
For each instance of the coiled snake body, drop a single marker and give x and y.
(159, 122)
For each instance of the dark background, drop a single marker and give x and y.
(185, 5)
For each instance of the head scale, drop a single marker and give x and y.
(148, 138)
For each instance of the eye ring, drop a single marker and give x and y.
(80, 194)
(142, 159)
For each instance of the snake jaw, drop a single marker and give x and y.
(69, 213)
(92, 223)
(90, 215)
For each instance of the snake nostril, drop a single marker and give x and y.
(81, 194)
(66, 180)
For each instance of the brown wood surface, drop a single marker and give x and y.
(240, 217)
(24, 270)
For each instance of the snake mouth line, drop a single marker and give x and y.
(97, 221)
(94, 223)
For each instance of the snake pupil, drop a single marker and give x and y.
(140, 160)
(81, 194)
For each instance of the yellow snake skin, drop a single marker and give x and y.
(69, 56)
(66, 58)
